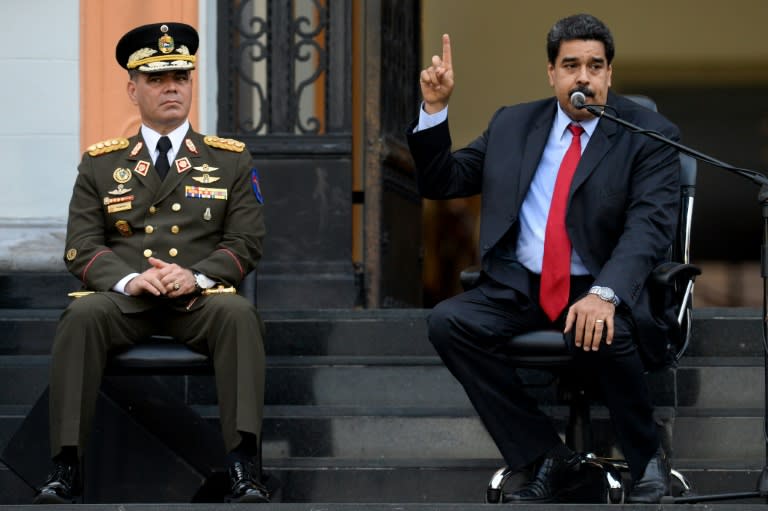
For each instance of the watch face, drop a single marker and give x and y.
(606, 293)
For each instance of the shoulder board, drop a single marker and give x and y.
(107, 146)
(229, 144)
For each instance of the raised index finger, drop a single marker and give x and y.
(447, 62)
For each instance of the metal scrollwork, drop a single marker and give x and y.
(253, 51)
(278, 78)
(304, 49)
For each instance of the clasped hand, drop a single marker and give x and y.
(162, 278)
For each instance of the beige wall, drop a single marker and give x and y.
(106, 111)
(499, 47)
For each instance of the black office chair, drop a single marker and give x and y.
(546, 350)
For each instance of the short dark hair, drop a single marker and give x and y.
(579, 26)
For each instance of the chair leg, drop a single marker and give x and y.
(496, 485)
(678, 479)
(578, 433)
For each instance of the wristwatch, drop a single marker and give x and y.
(605, 293)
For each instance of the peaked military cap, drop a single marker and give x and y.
(158, 47)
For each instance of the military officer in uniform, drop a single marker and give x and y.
(156, 222)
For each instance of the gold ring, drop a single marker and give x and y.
(599, 321)
(176, 286)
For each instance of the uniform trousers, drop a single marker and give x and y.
(227, 328)
(469, 332)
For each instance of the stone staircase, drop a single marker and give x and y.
(359, 408)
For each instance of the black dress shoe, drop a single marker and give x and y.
(61, 487)
(552, 478)
(245, 487)
(655, 481)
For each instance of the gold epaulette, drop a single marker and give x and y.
(107, 146)
(229, 144)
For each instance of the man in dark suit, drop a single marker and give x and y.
(156, 223)
(576, 212)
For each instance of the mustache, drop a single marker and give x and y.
(584, 90)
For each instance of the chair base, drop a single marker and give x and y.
(603, 482)
(600, 483)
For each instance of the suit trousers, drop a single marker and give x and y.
(469, 332)
(227, 328)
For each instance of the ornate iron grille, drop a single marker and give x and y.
(285, 72)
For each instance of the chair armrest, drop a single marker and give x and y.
(668, 273)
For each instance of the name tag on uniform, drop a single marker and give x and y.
(199, 192)
(121, 206)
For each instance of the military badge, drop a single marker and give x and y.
(206, 178)
(121, 206)
(207, 215)
(124, 228)
(205, 168)
(165, 44)
(142, 168)
(182, 164)
(191, 146)
(117, 200)
(136, 149)
(255, 184)
(120, 190)
(122, 175)
(198, 192)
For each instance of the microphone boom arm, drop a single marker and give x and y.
(754, 176)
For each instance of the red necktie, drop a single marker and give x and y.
(556, 265)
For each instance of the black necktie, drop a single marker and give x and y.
(161, 164)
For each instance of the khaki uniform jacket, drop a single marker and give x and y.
(206, 215)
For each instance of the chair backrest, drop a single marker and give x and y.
(681, 247)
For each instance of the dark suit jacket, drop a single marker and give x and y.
(204, 218)
(623, 203)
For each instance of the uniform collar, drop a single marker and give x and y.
(151, 137)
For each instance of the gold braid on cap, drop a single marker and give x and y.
(160, 58)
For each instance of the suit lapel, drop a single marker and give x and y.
(599, 144)
(534, 148)
(141, 164)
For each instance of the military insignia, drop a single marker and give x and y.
(136, 149)
(107, 146)
(207, 215)
(117, 200)
(191, 146)
(122, 175)
(124, 228)
(142, 168)
(228, 144)
(116, 208)
(165, 44)
(182, 164)
(71, 254)
(120, 190)
(256, 185)
(205, 168)
(206, 178)
(199, 192)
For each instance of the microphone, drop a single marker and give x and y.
(578, 100)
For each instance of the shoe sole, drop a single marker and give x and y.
(52, 499)
(246, 499)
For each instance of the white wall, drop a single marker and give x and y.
(39, 135)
